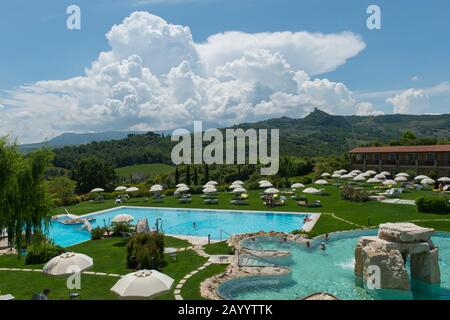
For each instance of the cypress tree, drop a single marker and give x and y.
(188, 176)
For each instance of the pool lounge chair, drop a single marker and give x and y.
(239, 202)
(185, 200)
(391, 193)
(211, 201)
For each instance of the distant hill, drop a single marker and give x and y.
(318, 134)
(76, 139)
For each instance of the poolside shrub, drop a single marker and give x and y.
(97, 233)
(42, 250)
(351, 193)
(433, 205)
(119, 228)
(145, 251)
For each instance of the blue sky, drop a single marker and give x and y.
(411, 50)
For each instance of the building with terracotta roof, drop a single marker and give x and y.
(418, 159)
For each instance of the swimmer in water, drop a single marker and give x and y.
(322, 246)
(194, 225)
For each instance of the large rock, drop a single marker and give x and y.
(393, 274)
(404, 232)
(425, 266)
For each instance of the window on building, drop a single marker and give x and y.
(376, 157)
(359, 157)
(430, 157)
(411, 156)
(392, 156)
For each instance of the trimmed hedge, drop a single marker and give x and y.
(352, 194)
(433, 205)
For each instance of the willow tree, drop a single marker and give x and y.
(24, 203)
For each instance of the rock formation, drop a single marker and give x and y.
(389, 251)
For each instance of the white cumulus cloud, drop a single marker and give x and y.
(410, 101)
(155, 77)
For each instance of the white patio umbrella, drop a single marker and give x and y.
(321, 182)
(365, 175)
(143, 284)
(401, 179)
(263, 181)
(359, 178)
(182, 189)
(325, 175)
(132, 189)
(122, 218)
(402, 174)
(234, 186)
(297, 186)
(428, 181)
(238, 182)
(353, 174)
(212, 182)
(271, 191)
(181, 185)
(121, 188)
(347, 176)
(421, 177)
(390, 182)
(342, 171)
(371, 172)
(356, 171)
(266, 184)
(96, 190)
(156, 188)
(209, 185)
(239, 190)
(311, 191)
(386, 173)
(336, 175)
(68, 263)
(444, 179)
(210, 189)
(374, 180)
(380, 176)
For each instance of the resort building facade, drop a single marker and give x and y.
(418, 159)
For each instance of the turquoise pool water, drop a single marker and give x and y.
(313, 270)
(180, 221)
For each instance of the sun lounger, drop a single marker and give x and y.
(211, 201)
(239, 202)
(185, 200)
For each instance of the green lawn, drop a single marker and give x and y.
(218, 248)
(146, 169)
(191, 289)
(109, 256)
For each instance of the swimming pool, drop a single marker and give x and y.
(331, 271)
(181, 222)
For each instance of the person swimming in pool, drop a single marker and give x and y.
(323, 247)
(194, 225)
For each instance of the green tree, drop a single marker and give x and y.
(195, 176)
(24, 201)
(188, 176)
(177, 176)
(62, 188)
(92, 172)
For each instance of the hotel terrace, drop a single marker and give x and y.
(420, 159)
